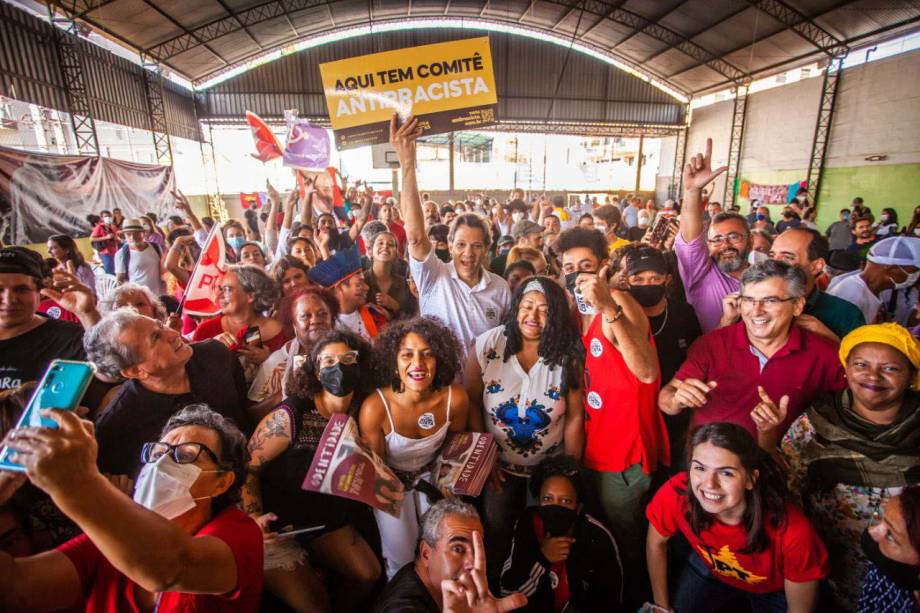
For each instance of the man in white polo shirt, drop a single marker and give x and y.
(461, 293)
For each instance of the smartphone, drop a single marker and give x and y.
(61, 387)
(252, 336)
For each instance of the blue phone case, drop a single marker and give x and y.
(61, 387)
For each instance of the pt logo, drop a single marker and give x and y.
(726, 564)
(491, 313)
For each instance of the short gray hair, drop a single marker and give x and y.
(371, 230)
(233, 455)
(774, 269)
(430, 529)
(104, 348)
(256, 281)
(110, 302)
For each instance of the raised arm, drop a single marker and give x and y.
(149, 549)
(306, 204)
(173, 256)
(403, 140)
(697, 174)
(183, 205)
(624, 324)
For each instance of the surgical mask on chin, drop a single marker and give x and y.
(909, 281)
(164, 487)
(756, 257)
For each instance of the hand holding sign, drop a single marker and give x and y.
(403, 138)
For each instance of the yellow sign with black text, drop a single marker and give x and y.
(448, 86)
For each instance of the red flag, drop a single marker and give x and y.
(267, 143)
(200, 296)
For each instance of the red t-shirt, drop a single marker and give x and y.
(210, 328)
(55, 311)
(109, 247)
(795, 551)
(623, 425)
(803, 369)
(106, 589)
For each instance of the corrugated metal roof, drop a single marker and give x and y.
(590, 90)
(736, 38)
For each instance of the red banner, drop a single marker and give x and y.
(201, 294)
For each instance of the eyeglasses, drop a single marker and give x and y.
(731, 237)
(183, 453)
(348, 358)
(769, 302)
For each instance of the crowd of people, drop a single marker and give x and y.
(695, 409)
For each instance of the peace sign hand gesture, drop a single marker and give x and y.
(469, 592)
(698, 173)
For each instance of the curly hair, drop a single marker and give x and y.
(766, 499)
(558, 466)
(441, 339)
(288, 303)
(256, 281)
(113, 300)
(560, 343)
(588, 238)
(303, 383)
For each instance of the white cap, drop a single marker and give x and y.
(896, 251)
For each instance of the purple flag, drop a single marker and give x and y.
(307, 146)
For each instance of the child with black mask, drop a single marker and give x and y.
(561, 556)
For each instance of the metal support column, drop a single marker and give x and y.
(639, 164)
(450, 160)
(680, 156)
(823, 126)
(156, 109)
(216, 209)
(67, 45)
(734, 147)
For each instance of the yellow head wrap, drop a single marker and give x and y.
(893, 335)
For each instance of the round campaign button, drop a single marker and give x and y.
(596, 348)
(594, 400)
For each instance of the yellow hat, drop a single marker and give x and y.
(894, 335)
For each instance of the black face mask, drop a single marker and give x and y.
(443, 254)
(905, 576)
(647, 295)
(557, 520)
(341, 379)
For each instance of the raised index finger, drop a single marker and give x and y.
(763, 395)
(479, 556)
(708, 149)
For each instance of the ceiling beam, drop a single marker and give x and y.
(602, 18)
(224, 6)
(803, 26)
(655, 19)
(761, 38)
(176, 23)
(731, 15)
(564, 17)
(529, 9)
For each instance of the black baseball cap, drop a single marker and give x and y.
(645, 258)
(21, 261)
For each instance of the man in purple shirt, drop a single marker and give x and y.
(710, 266)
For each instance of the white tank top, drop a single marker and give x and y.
(412, 454)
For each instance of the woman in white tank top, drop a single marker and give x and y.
(409, 417)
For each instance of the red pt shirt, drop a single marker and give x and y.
(106, 589)
(795, 552)
(623, 425)
(804, 368)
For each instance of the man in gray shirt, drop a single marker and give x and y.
(839, 234)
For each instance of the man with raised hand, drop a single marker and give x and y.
(710, 264)
(465, 296)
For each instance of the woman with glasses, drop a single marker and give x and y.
(418, 402)
(244, 294)
(852, 451)
(387, 289)
(327, 381)
(180, 545)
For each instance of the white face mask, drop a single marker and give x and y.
(106, 219)
(164, 487)
(756, 257)
(800, 198)
(909, 281)
(517, 216)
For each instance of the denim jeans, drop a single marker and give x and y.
(108, 263)
(698, 591)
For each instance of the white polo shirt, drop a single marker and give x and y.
(467, 311)
(851, 287)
